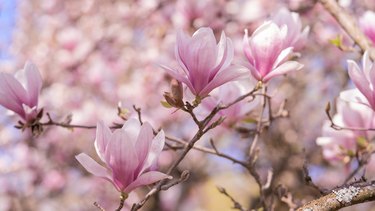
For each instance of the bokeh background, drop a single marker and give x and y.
(95, 54)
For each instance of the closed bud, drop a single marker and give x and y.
(169, 98)
(176, 89)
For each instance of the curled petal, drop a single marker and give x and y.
(359, 79)
(283, 69)
(155, 149)
(103, 135)
(180, 77)
(229, 74)
(144, 142)
(146, 179)
(92, 166)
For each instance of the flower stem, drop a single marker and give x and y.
(123, 197)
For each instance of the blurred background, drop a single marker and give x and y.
(95, 54)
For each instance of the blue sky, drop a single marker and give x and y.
(7, 23)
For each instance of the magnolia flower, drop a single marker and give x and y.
(128, 154)
(337, 144)
(364, 80)
(367, 24)
(266, 53)
(204, 65)
(295, 38)
(21, 96)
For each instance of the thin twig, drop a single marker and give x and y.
(98, 206)
(138, 110)
(236, 204)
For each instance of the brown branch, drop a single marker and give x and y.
(336, 200)
(213, 151)
(160, 186)
(138, 110)
(203, 127)
(236, 204)
(309, 181)
(96, 204)
(349, 24)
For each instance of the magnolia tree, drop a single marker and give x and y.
(189, 105)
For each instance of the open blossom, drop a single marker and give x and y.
(364, 80)
(21, 96)
(296, 37)
(266, 53)
(204, 64)
(336, 144)
(128, 154)
(367, 24)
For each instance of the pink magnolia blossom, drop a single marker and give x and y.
(296, 37)
(128, 154)
(367, 24)
(204, 65)
(21, 96)
(336, 144)
(364, 80)
(266, 54)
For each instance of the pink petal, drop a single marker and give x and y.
(368, 68)
(103, 136)
(155, 149)
(254, 72)
(123, 159)
(359, 79)
(225, 55)
(229, 74)
(10, 103)
(283, 69)
(131, 129)
(180, 77)
(246, 48)
(34, 83)
(354, 95)
(181, 49)
(146, 179)
(143, 143)
(92, 166)
(283, 56)
(13, 94)
(266, 44)
(201, 57)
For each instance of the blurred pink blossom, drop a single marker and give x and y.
(364, 80)
(204, 65)
(227, 94)
(128, 153)
(336, 144)
(266, 53)
(367, 24)
(20, 93)
(296, 37)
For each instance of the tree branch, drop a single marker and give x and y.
(342, 198)
(349, 24)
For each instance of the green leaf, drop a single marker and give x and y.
(166, 104)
